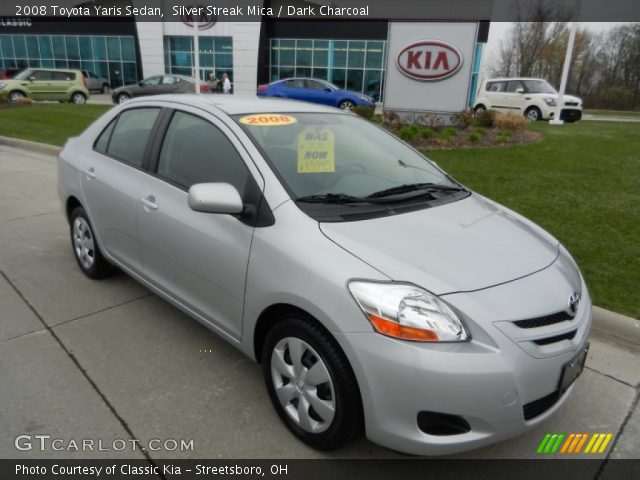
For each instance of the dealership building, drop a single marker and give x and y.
(424, 64)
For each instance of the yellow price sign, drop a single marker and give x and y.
(268, 120)
(316, 150)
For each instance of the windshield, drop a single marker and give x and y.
(338, 157)
(23, 75)
(538, 86)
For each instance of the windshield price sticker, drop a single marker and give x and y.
(268, 120)
(316, 150)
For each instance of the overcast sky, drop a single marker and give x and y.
(499, 30)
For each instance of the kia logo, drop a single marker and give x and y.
(203, 20)
(429, 60)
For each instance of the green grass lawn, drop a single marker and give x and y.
(582, 184)
(49, 123)
(613, 113)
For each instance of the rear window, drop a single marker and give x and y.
(63, 76)
(496, 86)
(130, 135)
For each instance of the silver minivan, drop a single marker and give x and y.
(378, 294)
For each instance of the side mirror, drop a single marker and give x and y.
(141, 83)
(215, 198)
(520, 90)
(327, 89)
(32, 79)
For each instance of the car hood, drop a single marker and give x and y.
(462, 246)
(555, 96)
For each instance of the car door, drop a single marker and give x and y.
(61, 85)
(318, 92)
(199, 259)
(150, 86)
(169, 84)
(112, 179)
(39, 84)
(495, 92)
(515, 96)
(294, 89)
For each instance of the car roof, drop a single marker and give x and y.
(50, 69)
(504, 79)
(238, 104)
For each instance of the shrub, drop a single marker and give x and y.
(427, 133)
(4, 98)
(485, 118)
(364, 112)
(24, 101)
(480, 131)
(474, 137)
(465, 119)
(506, 133)
(448, 134)
(506, 121)
(408, 132)
(502, 138)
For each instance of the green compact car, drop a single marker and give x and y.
(47, 84)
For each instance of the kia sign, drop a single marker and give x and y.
(198, 16)
(429, 60)
(429, 66)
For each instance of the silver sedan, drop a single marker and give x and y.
(378, 294)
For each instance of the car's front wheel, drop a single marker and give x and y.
(346, 105)
(15, 96)
(533, 114)
(311, 384)
(78, 98)
(85, 246)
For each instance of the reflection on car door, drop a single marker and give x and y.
(169, 84)
(497, 95)
(111, 183)
(318, 92)
(294, 89)
(515, 100)
(39, 84)
(199, 258)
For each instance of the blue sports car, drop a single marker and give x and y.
(315, 91)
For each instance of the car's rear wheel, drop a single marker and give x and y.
(15, 96)
(123, 97)
(533, 114)
(78, 98)
(85, 246)
(346, 105)
(479, 109)
(311, 384)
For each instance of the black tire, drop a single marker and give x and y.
(100, 267)
(479, 109)
(122, 97)
(347, 422)
(533, 114)
(78, 98)
(15, 95)
(346, 105)
(105, 88)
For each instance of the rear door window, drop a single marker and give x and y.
(63, 76)
(131, 133)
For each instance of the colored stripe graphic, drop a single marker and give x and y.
(574, 443)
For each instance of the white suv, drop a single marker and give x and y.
(531, 97)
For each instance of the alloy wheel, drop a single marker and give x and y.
(83, 243)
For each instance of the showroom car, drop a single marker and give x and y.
(315, 91)
(378, 294)
(156, 85)
(46, 84)
(96, 83)
(532, 97)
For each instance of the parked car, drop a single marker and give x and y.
(47, 84)
(531, 97)
(96, 83)
(377, 292)
(9, 73)
(315, 91)
(157, 85)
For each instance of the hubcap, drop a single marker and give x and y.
(532, 115)
(347, 106)
(15, 96)
(303, 385)
(122, 98)
(78, 99)
(83, 243)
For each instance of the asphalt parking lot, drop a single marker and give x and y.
(81, 359)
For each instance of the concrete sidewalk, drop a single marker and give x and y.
(81, 359)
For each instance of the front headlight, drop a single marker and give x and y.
(364, 98)
(2, 85)
(408, 312)
(550, 101)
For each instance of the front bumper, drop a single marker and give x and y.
(488, 382)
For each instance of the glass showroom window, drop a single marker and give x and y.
(110, 57)
(216, 56)
(352, 64)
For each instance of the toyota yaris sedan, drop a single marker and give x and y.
(377, 293)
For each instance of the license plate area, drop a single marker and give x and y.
(572, 370)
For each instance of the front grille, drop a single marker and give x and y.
(557, 338)
(544, 321)
(571, 104)
(538, 407)
(570, 114)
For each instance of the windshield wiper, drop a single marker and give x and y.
(415, 187)
(332, 198)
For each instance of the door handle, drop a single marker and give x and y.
(90, 172)
(149, 202)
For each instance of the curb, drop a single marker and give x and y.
(606, 325)
(615, 327)
(31, 146)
